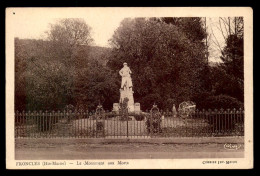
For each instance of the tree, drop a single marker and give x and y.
(166, 61)
(233, 56)
(233, 64)
(20, 67)
(51, 66)
(66, 36)
(96, 84)
(191, 26)
(227, 26)
(65, 69)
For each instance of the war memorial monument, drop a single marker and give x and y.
(126, 91)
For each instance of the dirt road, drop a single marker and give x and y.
(124, 151)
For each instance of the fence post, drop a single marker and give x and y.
(240, 120)
(228, 120)
(160, 120)
(234, 119)
(202, 116)
(150, 121)
(48, 123)
(32, 123)
(127, 122)
(35, 123)
(87, 118)
(147, 122)
(104, 113)
(243, 117)
(216, 121)
(57, 115)
(75, 113)
(211, 121)
(224, 122)
(221, 120)
(96, 123)
(23, 123)
(15, 124)
(44, 125)
(28, 118)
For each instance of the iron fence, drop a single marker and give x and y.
(148, 124)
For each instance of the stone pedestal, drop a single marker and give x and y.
(127, 93)
(132, 107)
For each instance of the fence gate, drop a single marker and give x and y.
(154, 121)
(100, 121)
(108, 124)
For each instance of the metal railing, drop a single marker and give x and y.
(149, 124)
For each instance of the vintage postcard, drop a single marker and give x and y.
(129, 88)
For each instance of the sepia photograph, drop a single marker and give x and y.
(129, 88)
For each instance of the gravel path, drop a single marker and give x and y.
(123, 151)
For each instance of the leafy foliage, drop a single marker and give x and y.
(54, 73)
(166, 55)
(222, 101)
(166, 63)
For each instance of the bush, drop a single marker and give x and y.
(221, 101)
(200, 99)
(148, 101)
(139, 117)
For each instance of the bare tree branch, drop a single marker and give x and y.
(222, 29)
(216, 41)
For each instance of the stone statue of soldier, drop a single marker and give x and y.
(126, 91)
(125, 72)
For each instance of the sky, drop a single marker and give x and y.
(33, 25)
(101, 30)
